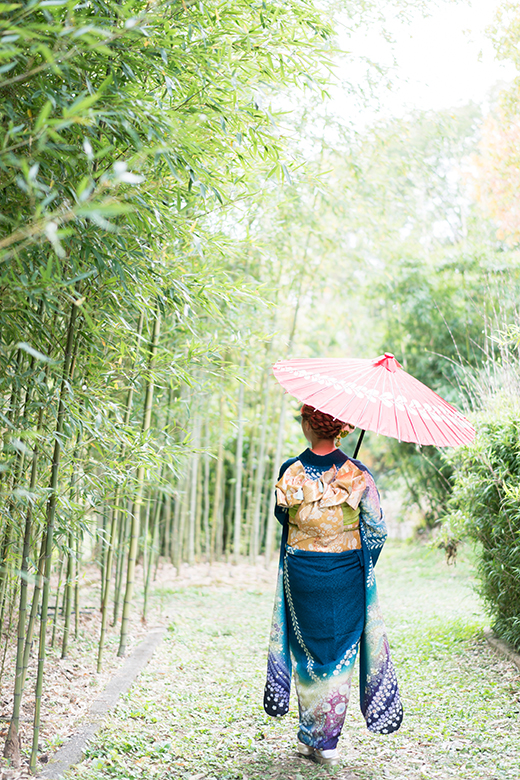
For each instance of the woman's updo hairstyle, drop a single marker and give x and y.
(324, 425)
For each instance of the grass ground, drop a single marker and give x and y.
(70, 684)
(196, 712)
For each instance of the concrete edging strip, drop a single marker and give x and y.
(502, 647)
(72, 752)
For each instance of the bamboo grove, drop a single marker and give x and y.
(124, 128)
(164, 238)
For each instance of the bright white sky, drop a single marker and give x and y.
(443, 60)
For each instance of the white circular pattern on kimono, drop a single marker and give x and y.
(326, 707)
(344, 688)
(340, 708)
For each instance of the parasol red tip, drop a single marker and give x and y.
(388, 361)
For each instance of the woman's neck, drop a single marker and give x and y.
(322, 446)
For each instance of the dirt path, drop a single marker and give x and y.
(196, 712)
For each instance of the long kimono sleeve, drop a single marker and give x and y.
(371, 515)
(281, 512)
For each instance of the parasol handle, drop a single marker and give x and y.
(358, 445)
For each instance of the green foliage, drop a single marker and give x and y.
(438, 320)
(485, 505)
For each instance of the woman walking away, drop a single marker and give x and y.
(326, 606)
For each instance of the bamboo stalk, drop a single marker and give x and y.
(217, 508)
(271, 520)
(260, 474)
(198, 512)
(145, 550)
(183, 512)
(219, 535)
(264, 508)
(156, 516)
(119, 518)
(271, 523)
(171, 526)
(121, 544)
(105, 542)
(227, 531)
(176, 530)
(249, 495)
(8, 632)
(51, 511)
(57, 602)
(247, 491)
(68, 596)
(76, 585)
(238, 469)
(12, 413)
(67, 593)
(134, 532)
(14, 725)
(34, 610)
(159, 541)
(10, 525)
(205, 514)
(106, 587)
(194, 530)
(4, 567)
(24, 566)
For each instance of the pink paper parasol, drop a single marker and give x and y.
(376, 395)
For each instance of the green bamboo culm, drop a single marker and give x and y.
(146, 552)
(34, 610)
(12, 736)
(5, 569)
(102, 533)
(136, 508)
(11, 608)
(239, 467)
(49, 531)
(57, 603)
(117, 515)
(120, 561)
(76, 586)
(19, 681)
(180, 525)
(154, 532)
(68, 596)
(160, 504)
(106, 588)
(217, 508)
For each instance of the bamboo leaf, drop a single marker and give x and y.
(34, 352)
(43, 115)
(82, 103)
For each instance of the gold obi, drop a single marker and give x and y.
(324, 512)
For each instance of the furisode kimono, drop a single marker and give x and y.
(326, 605)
